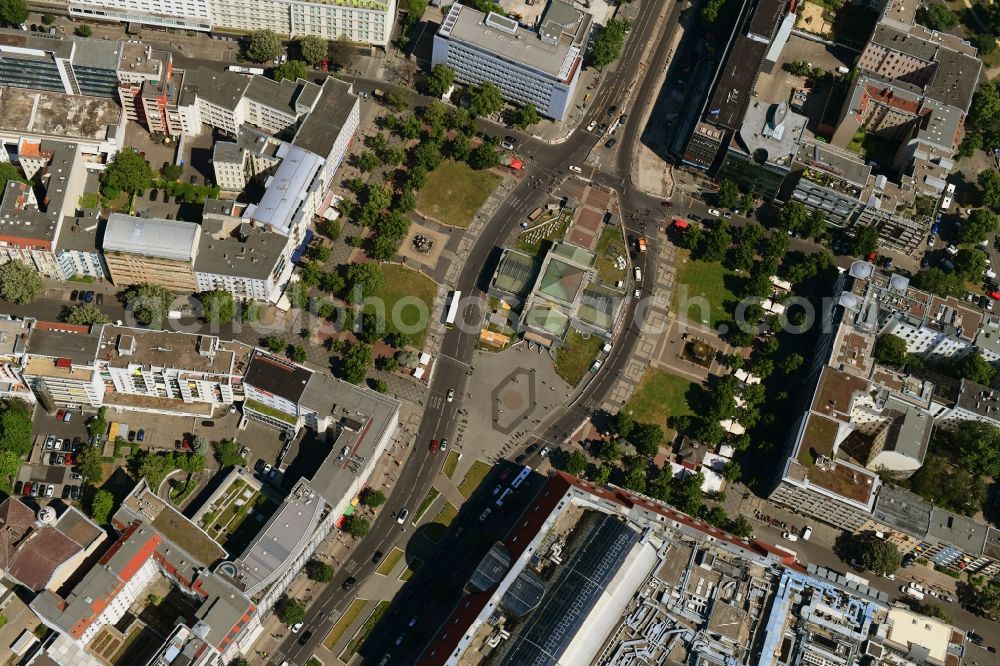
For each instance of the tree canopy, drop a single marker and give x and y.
(321, 572)
(937, 17)
(608, 45)
(292, 70)
(83, 314)
(485, 99)
(314, 49)
(526, 115)
(357, 526)
(227, 452)
(878, 555)
(91, 467)
(865, 241)
(19, 282)
(980, 224)
(149, 303)
(989, 183)
(729, 194)
(13, 12)
(128, 172)
(890, 350)
(439, 80)
(101, 505)
(357, 360)
(293, 611)
(373, 497)
(975, 368)
(218, 306)
(263, 45)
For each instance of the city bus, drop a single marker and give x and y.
(454, 300)
(519, 479)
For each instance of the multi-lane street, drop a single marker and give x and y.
(548, 164)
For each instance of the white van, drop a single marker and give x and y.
(806, 533)
(637, 272)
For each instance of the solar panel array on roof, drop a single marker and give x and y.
(524, 593)
(566, 604)
(491, 569)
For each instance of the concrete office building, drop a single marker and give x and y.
(363, 21)
(71, 65)
(540, 68)
(151, 250)
(244, 258)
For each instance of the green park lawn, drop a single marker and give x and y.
(577, 354)
(454, 192)
(610, 245)
(660, 395)
(701, 282)
(400, 283)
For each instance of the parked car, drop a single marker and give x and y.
(611, 143)
(131, 435)
(18, 487)
(50, 490)
(140, 436)
(296, 627)
(807, 532)
(59, 414)
(575, 169)
(485, 514)
(68, 416)
(100, 299)
(27, 488)
(789, 536)
(88, 297)
(451, 395)
(75, 294)
(210, 424)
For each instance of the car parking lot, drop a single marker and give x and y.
(166, 431)
(50, 472)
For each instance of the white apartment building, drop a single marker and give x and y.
(180, 14)
(362, 21)
(164, 371)
(540, 68)
(58, 365)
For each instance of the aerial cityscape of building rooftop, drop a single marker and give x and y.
(510, 332)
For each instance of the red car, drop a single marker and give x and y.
(995, 295)
(434, 446)
(27, 487)
(324, 66)
(69, 459)
(59, 414)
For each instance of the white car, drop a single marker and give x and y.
(637, 293)
(591, 125)
(267, 469)
(451, 395)
(401, 516)
(507, 145)
(952, 250)
(714, 212)
(296, 627)
(545, 451)
(789, 536)
(575, 169)
(807, 532)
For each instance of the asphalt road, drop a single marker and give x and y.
(546, 166)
